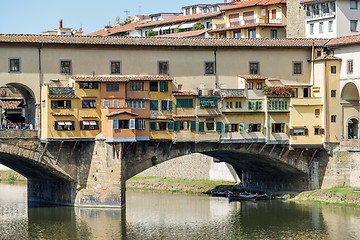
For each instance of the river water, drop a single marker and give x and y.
(163, 215)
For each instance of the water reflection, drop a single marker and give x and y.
(160, 215)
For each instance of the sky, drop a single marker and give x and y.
(36, 16)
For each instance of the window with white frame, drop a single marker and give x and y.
(106, 103)
(115, 103)
(140, 124)
(137, 86)
(139, 104)
(353, 25)
(89, 125)
(64, 125)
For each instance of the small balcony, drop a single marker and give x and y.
(137, 95)
(232, 92)
(61, 91)
(249, 22)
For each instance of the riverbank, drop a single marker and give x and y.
(176, 184)
(10, 176)
(336, 195)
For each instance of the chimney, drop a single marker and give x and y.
(225, 1)
(61, 26)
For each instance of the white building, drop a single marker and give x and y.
(331, 19)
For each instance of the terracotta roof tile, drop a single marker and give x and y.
(253, 77)
(251, 3)
(120, 78)
(118, 112)
(327, 57)
(10, 104)
(115, 30)
(274, 25)
(180, 93)
(180, 18)
(347, 40)
(157, 42)
(186, 34)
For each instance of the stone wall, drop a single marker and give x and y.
(295, 14)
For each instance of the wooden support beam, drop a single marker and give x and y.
(249, 146)
(43, 152)
(113, 150)
(116, 151)
(228, 146)
(145, 146)
(272, 149)
(298, 159)
(134, 147)
(282, 150)
(58, 156)
(285, 154)
(312, 157)
(72, 151)
(263, 147)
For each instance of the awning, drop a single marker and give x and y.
(85, 123)
(174, 26)
(93, 123)
(187, 25)
(61, 123)
(157, 29)
(68, 123)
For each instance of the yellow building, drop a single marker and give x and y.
(252, 19)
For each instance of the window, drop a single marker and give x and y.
(333, 118)
(115, 68)
(193, 10)
(137, 104)
(140, 124)
(318, 53)
(229, 104)
(306, 92)
(184, 103)
(89, 125)
(115, 103)
(121, 124)
(164, 86)
(331, 26)
(188, 11)
(234, 127)
(164, 105)
(88, 85)
(254, 105)
(237, 34)
(277, 105)
(64, 125)
(154, 86)
(215, 9)
(250, 85)
(208, 103)
(208, 25)
(299, 132)
(136, 86)
(106, 103)
(317, 112)
(163, 68)
(112, 87)
(205, 10)
(210, 124)
(209, 68)
(350, 66)
(333, 69)
(237, 104)
(353, 4)
(273, 33)
(14, 65)
(252, 32)
(61, 104)
(254, 127)
(321, 27)
(319, 131)
(278, 127)
(222, 35)
(184, 125)
(353, 25)
(154, 105)
(254, 68)
(65, 67)
(158, 126)
(295, 93)
(88, 103)
(311, 28)
(333, 93)
(258, 86)
(297, 68)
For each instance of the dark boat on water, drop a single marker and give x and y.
(219, 193)
(241, 196)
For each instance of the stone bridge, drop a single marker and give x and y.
(94, 173)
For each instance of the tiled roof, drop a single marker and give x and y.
(274, 25)
(253, 77)
(118, 112)
(327, 57)
(10, 104)
(186, 34)
(120, 78)
(251, 3)
(158, 42)
(341, 41)
(179, 19)
(309, 1)
(115, 30)
(180, 93)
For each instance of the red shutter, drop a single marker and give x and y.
(291, 131)
(306, 131)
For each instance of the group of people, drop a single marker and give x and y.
(11, 125)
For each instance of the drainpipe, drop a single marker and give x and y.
(216, 74)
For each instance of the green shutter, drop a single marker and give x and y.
(163, 86)
(152, 126)
(192, 125)
(271, 127)
(184, 103)
(241, 127)
(170, 105)
(226, 127)
(262, 128)
(285, 127)
(218, 126)
(170, 126)
(176, 125)
(154, 105)
(237, 104)
(258, 105)
(201, 126)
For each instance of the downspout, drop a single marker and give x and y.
(326, 104)
(216, 74)
(40, 85)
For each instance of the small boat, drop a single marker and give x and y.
(263, 197)
(241, 196)
(219, 193)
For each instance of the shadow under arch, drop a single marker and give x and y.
(350, 92)
(29, 101)
(350, 110)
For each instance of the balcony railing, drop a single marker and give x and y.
(232, 92)
(137, 95)
(61, 91)
(248, 22)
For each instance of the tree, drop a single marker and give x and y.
(198, 26)
(150, 33)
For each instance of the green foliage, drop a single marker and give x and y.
(278, 91)
(178, 30)
(150, 33)
(198, 26)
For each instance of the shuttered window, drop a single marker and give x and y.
(208, 103)
(154, 105)
(170, 126)
(238, 104)
(115, 124)
(163, 86)
(152, 126)
(278, 105)
(219, 126)
(254, 105)
(170, 105)
(184, 103)
(176, 125)
(226, 128)
(192, 125)
(241, 127)
(201, 126)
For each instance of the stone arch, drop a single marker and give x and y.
(350, 110)
(30, 113)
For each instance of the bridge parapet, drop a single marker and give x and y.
(18, 134)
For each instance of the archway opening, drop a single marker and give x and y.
(353, 128)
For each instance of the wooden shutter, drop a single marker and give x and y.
(132, 124)
(322, 131)
(170, 126)
(170, 105)
(154, 105)
(306, 131)
(152, 126)
(176, 125)
(291, 131)
(241, 127)
(219, 126)
(192, 125)
(226, 127)
(201, 126)
(56, 125)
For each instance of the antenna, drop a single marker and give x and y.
(127, 13)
